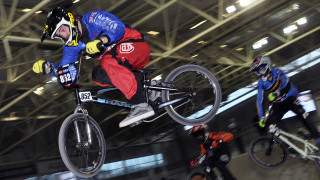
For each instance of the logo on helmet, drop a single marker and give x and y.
(71, 19)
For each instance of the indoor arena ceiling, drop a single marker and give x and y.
(220, 35)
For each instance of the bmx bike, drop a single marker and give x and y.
(190, 95)
(271, 151)
(207, 172)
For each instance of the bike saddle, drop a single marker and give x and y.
(145, 71)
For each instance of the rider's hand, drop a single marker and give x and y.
(262, 123)
(272, 96)
(42, 66)
(93, 47)
(194, 163)
(216, 143)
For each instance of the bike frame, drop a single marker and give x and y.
(283, 136)
(146, 87)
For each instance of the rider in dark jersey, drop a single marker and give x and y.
(119, 48)
(282, 93)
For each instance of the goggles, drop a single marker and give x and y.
(261, 71)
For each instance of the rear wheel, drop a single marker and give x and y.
(202, 91)
(84, 158)
(267, 152)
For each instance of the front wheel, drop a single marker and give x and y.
(81, 145)
(195, 175)
(317, 161)
(267, 152)
(204, 95)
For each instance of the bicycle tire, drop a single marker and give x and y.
(196, 175)
(203, 83)
(277, 157)
(317, 162)
(65, 144)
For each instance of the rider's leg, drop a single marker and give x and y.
(302, 114)
(100, 77)
(275, 114)
(226, 174)
(118, 66)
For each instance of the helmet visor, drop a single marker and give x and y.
(261, 71)
(198, 133)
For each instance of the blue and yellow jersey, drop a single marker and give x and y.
(280, 82)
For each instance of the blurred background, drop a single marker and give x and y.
(221, 35)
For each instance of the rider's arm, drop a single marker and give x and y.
(70, 55)
(224, 136)
(110, 27)
(203, 150)
(260, 99)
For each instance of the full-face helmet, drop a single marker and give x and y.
(261, 65)
(55, 19)
(198, 130)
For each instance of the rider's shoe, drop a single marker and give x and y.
(137, 113)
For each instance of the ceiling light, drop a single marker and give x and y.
(202, 42)
(295, 6)
(302, 21)
(290, 29)
(26, 10)
(223, 46)
(244, 3)
(231, 9)
(198, 24)
(13, 118)
(260, 43)
(194, 55)
(239, 49)
(153, 32)
(75, 1)
(39, 91)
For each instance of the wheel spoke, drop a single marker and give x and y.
(204, 88)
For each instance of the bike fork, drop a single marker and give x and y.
(88, 130)
(79, 108)
(269, 150)
(76, 126)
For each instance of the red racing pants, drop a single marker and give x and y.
(115, 67)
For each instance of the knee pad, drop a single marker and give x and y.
(225, 158)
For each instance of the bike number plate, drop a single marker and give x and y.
(85, 96)
(65, 78)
